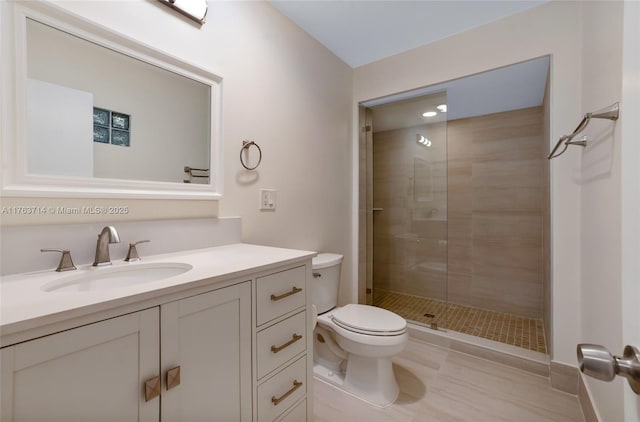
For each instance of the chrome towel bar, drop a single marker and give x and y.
(610, 113)
(190, 172)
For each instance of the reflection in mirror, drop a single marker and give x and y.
(94, 112)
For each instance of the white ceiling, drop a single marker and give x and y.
(361, 31)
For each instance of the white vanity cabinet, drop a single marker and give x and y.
(226, 347)
(187, 360)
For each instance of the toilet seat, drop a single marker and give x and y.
(381, 342)
(356, 323)
(369, 320)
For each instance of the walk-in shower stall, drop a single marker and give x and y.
(457, 209)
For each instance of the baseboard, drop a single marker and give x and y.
(564, 377)
(584, 397)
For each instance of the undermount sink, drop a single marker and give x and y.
(95, 279)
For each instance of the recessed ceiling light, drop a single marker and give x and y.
(429, 114)
(442, 108)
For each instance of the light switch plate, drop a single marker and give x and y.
(267, 199)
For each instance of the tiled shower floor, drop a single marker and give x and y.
(511, 329)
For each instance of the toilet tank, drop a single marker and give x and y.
(326, 280)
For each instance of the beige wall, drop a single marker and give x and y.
(282, 89)
(553, 28)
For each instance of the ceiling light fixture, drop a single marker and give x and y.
(193, 9)
(429, 113)
(442, 108)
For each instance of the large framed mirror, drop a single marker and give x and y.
(88, 112)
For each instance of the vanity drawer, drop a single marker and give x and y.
(297, 414)
(281, 391)
(279, 293)
(280, 342)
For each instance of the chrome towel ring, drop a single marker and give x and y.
(245, 147)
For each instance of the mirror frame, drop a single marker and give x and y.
(17, 182)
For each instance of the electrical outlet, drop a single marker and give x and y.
(267, 199)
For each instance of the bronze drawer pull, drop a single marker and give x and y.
(276, 400)
(295, 338)
(152, 388)
(173, 377)
(282, 296)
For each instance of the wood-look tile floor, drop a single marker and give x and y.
(515, 330)
(439, 385)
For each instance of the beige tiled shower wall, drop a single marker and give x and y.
(495, 187)
(474, 232)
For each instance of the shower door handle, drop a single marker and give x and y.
(596, 361)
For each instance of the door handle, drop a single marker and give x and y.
(596, 361)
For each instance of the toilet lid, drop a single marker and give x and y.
(368, 320)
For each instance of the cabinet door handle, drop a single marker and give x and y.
(295, 338)
(173, 377)
(152, 388)
(276, 400)
(282, 296)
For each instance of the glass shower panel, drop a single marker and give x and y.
(409, 189)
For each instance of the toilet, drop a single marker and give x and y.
(353, 344)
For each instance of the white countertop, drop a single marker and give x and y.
(24, 305)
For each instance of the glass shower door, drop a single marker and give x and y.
(409, 208)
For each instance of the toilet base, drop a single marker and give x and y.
(368, 379)
(372, 379)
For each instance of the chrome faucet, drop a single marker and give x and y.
(109, 234)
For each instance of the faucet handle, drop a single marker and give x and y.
(66, 263)
(132, 255)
